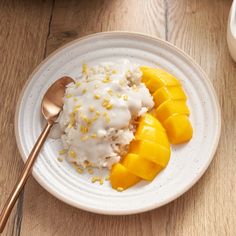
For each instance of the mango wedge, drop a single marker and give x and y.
(150, 120)
(150, 133)
(122, 178)
(179, 129)
(168, 93)
(170, 108)
(151, 151)
(141, 167)
(157, 78)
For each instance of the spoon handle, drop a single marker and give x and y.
(23, 177)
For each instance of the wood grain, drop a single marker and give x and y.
(196, 26)
(73, 19)
(23, 32)
(199, 28)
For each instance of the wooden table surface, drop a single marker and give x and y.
(30, 30)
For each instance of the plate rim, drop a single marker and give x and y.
(141, 209)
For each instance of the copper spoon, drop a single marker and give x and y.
(51, 106)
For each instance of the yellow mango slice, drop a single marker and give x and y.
(141, 167)
(171, 107)
(179, 129)
(151, 133)
(150, 120)
(120, 177)
(146, 72)
(168, 93)
(156, 78)
(151, 151)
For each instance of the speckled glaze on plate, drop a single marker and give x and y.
(188, 162)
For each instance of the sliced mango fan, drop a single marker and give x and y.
(149, 153)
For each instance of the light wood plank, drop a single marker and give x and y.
(73, 19)
(23, 31)
(199, 28)
(43, 214)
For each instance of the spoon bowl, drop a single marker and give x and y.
(52, 102)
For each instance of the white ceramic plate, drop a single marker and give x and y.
(188, 162)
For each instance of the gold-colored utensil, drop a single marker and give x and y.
(51, 106)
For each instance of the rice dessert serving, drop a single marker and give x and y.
(99, 113)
